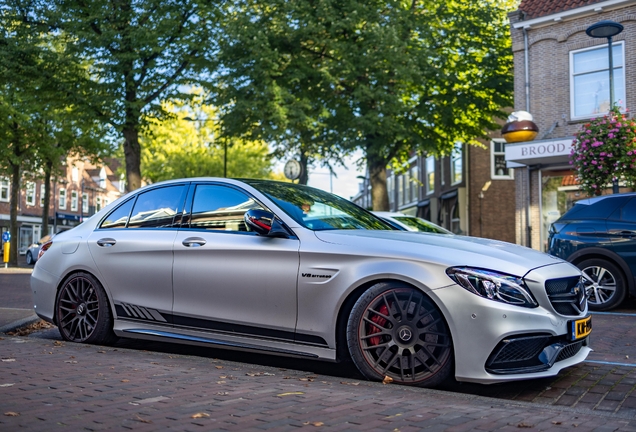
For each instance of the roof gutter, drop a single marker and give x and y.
(573, 13)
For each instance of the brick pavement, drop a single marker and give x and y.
(63, 386)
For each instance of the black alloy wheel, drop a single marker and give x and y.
(83, 312)
(395, 330)
(604, 284)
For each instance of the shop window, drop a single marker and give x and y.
(74, 201)
(499, 171)
(62, 199)
(415, 183)
(455, 219)
(4, 189)
(558, 195)
(430, 174)
(30, 194)
(390, 186)
(589, 80)
(457, 163)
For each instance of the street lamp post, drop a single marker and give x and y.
(607, 29)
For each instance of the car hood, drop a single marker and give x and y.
(443, 249)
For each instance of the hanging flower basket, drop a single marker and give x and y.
(604, 150)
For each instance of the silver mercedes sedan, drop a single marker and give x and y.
(285, 269)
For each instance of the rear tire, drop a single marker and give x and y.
(29, 258)
(604, 283)
(395, 330)
(83, 312)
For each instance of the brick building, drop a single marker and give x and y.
(465, 192)
(81, 191)
(562, 79)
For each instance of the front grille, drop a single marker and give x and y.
(570, 351)
(567, 295)
(531, 353)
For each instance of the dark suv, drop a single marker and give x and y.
(598, 235)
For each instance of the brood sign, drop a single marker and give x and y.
(539, 152)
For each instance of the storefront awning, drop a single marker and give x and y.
(542, 152)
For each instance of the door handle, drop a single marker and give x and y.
(193, 242)
(106, 242)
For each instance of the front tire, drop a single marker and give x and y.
(604, 284)
(395, 330)
(82, 311)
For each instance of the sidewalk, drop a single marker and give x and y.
(54, 385)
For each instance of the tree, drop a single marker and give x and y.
(187, 143)
(388, 77)
(139, 52)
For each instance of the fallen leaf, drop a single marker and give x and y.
(220, 382)
(8, 360)
(70, 361)
(219, 367)
(290, 394)
(200, 415)
(142, 420)
(556, 422)
(525, 425)
(154, 363)
(350, 383)
(317, 424)
(125, 380)
(101, 352)
(387, 380)
(58, 343)
(6, 385)
(222, 393)
(223, 376)
(12, 414)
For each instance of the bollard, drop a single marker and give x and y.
(6, 239)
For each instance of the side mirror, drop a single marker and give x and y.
(264, 223)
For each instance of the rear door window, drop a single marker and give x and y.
(157, 208)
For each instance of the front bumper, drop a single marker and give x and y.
(483, 331)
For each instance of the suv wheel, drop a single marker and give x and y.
(604, 283)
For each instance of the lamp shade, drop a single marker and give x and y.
(604, 29)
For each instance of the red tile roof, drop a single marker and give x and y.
(539, 8)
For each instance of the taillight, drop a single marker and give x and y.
(44, 248)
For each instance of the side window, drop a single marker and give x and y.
(119, 217)
(222, 208)
(157, 208)
(628, 214)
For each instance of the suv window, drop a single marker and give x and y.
(217, 207)
(157, 208)
(628, 212)
(601, 209)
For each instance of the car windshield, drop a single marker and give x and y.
(316, 209)
(420, 224)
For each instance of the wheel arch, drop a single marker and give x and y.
(600, 253)
(342, 351)
(70, 274)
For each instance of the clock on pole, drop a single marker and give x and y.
(293, 169)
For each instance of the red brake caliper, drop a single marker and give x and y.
(375, 340)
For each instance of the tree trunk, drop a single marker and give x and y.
(377, 174)
(13, 224)
(48, 167)
(132, 150)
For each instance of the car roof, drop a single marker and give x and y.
(594, 200)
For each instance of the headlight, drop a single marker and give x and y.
(493, 285)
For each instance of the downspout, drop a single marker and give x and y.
(529, 171)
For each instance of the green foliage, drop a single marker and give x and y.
(389, 77)
(186, 143)
(605, 150)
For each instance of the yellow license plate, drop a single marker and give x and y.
(580, 328)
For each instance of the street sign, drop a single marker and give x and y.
(6, 237)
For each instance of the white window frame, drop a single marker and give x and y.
(457, 154)
(98, 203)
(5, 189)
(74, 201)
(75, 174)
(84, 202)
(29, 195)
(42, 193)
(430, 174)
(617, 97)
(61, 200)
(493, 153)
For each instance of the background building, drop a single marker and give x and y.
(562, 79)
